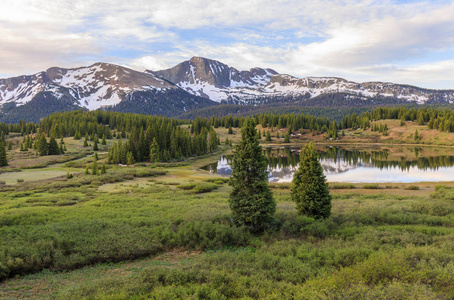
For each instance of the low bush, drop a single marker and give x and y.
(342, 186)
(371, 186)
(412, 188)
(205, 187)
(189, 186)
(218, 180)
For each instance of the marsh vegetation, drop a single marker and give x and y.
(164, 230)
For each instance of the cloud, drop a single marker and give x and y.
(366, 39)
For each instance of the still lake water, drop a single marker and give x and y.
(343, 165)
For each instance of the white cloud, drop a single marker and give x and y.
(367, 39)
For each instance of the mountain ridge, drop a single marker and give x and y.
(190, 85)
(273, 84)
(98, 86)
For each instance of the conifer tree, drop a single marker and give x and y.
(103, 169)
(268, 136)
(130, 158)
(103, 141)
(42, 146)
(154, 151)
(287, 138)
(417, 136)
(309, 187)
(86, 140)
(251, 200)
(53, 148)
(94, 168)
(95, 145)
(3, 160)
(86, 170)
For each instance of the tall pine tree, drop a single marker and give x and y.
(310, 189)
(3, 160)
(251, 200)
(53, 148)
(42, 145)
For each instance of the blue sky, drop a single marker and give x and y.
(408, 42)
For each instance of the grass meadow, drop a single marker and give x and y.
(164, 231)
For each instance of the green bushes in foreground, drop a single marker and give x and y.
(376, 245)
(291, 270)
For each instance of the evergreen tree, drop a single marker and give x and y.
(268, 136)
(95, 145)
(230, 130)
(103, 169)
(94, 168)
(86, 140)
(309, 187)
(130, 158)
(41, 145)
(53, 148)
(86, 170)
(251, 200)
(3, 160)
(103, 141)
(154, 151)
(287, 138)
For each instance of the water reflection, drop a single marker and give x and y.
(343, 165)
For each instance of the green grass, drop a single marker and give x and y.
(166, 233)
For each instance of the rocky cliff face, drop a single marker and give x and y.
(219, 82)
(100, 85)
(190, 85)
(215, 80)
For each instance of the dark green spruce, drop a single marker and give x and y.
(3, 160)
(251, 200)
(309, 187)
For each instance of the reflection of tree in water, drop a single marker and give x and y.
(284, 158)
(288, 158)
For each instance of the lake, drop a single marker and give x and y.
(341, 164)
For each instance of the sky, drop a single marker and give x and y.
(408, 42)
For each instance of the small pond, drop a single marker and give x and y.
(391, 164)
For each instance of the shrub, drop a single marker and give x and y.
(189, 186)
(20, 180)
(412, 187)
(373, 186)
(218, 180)
(205, 187)
(343, 186)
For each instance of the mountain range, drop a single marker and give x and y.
(190, 85)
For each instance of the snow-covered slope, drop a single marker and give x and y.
(191, 85)
(93, 87)
(219, 82)
(100, 85)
